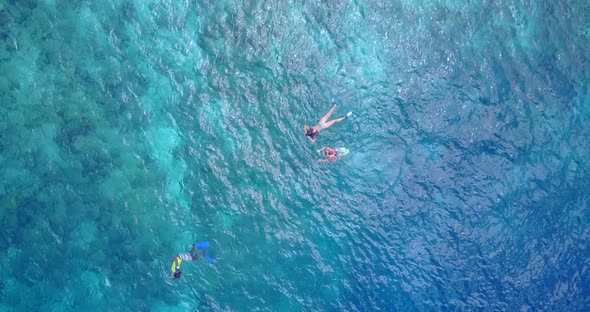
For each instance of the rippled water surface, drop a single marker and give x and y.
(131, 129)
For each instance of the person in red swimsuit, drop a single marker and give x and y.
(329, 154)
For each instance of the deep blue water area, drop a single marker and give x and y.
(130, 130)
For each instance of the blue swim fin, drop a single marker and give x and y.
(202, 245)
(208, 258)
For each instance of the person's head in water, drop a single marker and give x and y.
(177, 274)
(312, 133)
(330, 153)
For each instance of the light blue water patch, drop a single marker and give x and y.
(431, 5)
(85, 233)
(521, 21)
(160, 306)
(585, 106)
(93, 284)
(378, 163)
(46, 139)
(586, 31)
(163, 142)
(131, 130)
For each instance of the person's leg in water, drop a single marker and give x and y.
(324, 123)
(194, 254)
(331, 122)
(325, 118)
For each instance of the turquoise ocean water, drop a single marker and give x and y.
(131, 129)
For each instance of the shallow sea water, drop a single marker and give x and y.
(131, 129)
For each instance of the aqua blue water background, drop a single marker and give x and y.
(131, 129)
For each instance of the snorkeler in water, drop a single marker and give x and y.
(312, 132)
(189, 256)
(332, 154)
(328, 153)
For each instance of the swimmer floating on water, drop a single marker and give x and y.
(312, 132)
(329, 154)
(189, 256)
(332, 154)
